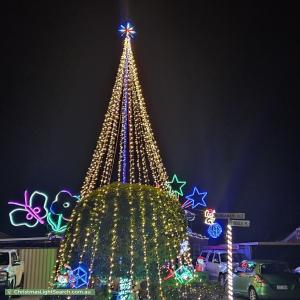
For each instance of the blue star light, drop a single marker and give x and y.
(127, 30)
(195, 199)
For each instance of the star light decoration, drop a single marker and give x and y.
(195, 199)
(175, 186)
(127, 30)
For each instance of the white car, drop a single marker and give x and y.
(10, 263)
(216, 263)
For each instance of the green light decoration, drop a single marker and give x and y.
(57, 223)
(184, 274)
(175, 186)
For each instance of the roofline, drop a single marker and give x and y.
(268, 244)
(291, 235)
(25, 239)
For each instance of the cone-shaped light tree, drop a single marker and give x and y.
(126, 224)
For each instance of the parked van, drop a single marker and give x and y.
(216, 263)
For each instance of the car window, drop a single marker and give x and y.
(223, 257)
(4, 259)
(216, 258)
(210, 258)
(13, 257)
(274, 268)
(238, 257)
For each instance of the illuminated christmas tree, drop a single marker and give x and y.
(127, 224)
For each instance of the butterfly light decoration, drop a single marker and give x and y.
(33, 210)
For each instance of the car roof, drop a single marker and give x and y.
(219, 251)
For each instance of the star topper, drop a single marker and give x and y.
(175, 186)
(127, 30)
(195, 199)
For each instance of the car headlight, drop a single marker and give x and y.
(3, 276)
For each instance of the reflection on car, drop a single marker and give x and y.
(265, 279)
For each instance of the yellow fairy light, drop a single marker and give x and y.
(144, 238)
(144, 157)
(114, 238)
(154, 227)
(126, 148)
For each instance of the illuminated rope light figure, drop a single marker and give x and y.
(209, 215)
(175, 186)
(215, 230)
(229, 263)
(34, 210)
(195, 199)
(127, 30)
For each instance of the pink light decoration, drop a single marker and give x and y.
(32, 212)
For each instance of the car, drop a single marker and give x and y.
(3, 280)
(265, 279)
(216, 263)
(10, 263)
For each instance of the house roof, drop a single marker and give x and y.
(294, 237)
(4, 235)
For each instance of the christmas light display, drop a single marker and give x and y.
(34, 210)
(81, 277)
(57, 223)
(168, 271)
(200, 264)
(141, 155)
(229, 263)
(184, 274)
(68, 278)
(64, 204)
(209, 215)
(125, 288)
(175, 186)
(127, 224)
(60, 211)
(189, 215)
(65, 278)
(127, 30)
(215, 230)
(195, 199)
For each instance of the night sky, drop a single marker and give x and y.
(221, 83)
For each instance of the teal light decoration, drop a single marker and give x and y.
(57, 223)
(125, 289)
(175, 186)
(33, 211)
(184, 274)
